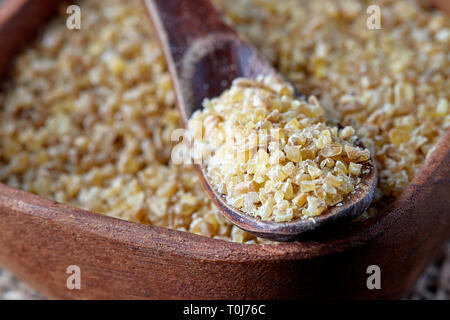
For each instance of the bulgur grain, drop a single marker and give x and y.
(259, 174)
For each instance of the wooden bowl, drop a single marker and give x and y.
(40, 238)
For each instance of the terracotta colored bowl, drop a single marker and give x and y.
(40, 238)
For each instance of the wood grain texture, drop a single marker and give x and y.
(40, 238)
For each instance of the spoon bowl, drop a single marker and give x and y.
(205, 55)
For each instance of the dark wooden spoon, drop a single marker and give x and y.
(204, 55)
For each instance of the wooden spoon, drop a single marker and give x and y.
(204, 56)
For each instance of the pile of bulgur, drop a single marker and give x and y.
(86, 115)
(392, 85)
(272, 155)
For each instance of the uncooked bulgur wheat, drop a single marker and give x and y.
(272, 155)
(86, 115)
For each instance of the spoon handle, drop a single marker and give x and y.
(180, 23)
(204, 53)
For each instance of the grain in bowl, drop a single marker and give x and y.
(86, 116)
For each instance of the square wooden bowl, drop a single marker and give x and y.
(40, 238)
